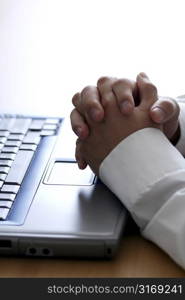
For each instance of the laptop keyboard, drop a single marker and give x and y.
(19, 139)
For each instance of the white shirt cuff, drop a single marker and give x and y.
(147, 174)
(137, 164)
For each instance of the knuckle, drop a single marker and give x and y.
(86, 90)
(89, 97)
(123, 89)
(102, 80)
(124, 82)
(75, 98)
(121, 82)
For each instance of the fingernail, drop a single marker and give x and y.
(81, 164)
(78, 131)
(126, 106)
(159, 114)
(95, 114)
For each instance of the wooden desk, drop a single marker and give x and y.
(136, 258)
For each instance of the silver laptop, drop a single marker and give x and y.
(48, 207)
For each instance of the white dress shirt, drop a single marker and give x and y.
(147, 173)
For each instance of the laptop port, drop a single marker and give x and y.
(46, 251)
(109, 251)
(5, 244)
(32, 251)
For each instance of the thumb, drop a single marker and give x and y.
(165, 109)
(166, 112)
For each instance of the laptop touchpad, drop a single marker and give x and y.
(68, 173)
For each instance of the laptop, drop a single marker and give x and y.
(48, 207)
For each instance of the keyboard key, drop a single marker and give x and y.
(21, 125)
(52, 121)
(4, 133)
(49, 127)
(3, 140)
(2, 176)
(19, 167)
(3, 213)
(7, 156)
(5, 163)
(28, 147)
(13, 143)
(10, 188)
(32, 137)
(47, 132)
(37, 124)
(7, 123)
(7, 196)
(10, 150)
(6, 204)
(15, 137)
(4, 170)
(19, 138)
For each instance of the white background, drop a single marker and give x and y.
(50, 49)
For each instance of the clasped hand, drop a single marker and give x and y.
(108, 113)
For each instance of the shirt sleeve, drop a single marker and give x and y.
(147, 174)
